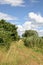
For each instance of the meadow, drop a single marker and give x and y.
(19, 54)
(15, 50)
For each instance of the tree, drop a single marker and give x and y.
(8, 33)
(9, 28)
(29, 33)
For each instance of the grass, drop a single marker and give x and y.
(18, 54)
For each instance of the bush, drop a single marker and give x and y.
(33, 42)
(40, 44)
(5, 39)
(28, 42)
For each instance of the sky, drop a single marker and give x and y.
(26, 14)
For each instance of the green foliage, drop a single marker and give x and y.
(29, 33)
(33, 42)
(7, 26)
(31, 39)
(8, 33)
(28, 42)
(1, 40)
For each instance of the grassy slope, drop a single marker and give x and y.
(20, 55)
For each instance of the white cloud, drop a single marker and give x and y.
(7, 17)
(25, 26)
(36, 17)
(13, 2)
(20, 29)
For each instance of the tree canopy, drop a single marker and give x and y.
(29, 33)
(8, 32)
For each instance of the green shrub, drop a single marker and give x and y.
(33, 42)
(28, 42)
(40, 44)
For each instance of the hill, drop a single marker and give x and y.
(19, 54)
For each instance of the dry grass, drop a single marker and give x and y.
(18, 54)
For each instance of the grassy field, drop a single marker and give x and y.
(18, 54)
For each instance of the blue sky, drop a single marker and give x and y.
(26, 14)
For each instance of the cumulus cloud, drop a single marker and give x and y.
(13, 2)
(35, 22)
(36, 17)
(25, 26)
(20, 29)
(7, 17)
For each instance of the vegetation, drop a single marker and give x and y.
(8, 33)
(18, 54)
(29, 33)
(27, 50)
(32, 40)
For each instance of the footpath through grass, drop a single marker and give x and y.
(18, 54)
